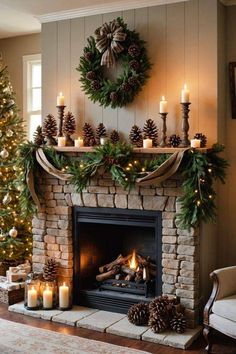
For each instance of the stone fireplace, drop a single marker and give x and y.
(177, 255)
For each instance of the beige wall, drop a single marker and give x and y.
(182, 45)
(13, 50)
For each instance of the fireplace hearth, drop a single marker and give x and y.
(99, 236)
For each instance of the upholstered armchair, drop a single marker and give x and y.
(220, 310)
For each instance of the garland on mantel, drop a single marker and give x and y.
(199, 171)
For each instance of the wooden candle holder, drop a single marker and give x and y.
(60, 115)
(164, 129)
(185, 125)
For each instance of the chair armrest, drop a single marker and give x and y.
(210, 302)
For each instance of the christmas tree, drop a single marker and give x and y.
(15, 231)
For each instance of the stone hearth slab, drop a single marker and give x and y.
(45, 315)
(71, 317)
(182, 341)
(126, 329)
(100, 320)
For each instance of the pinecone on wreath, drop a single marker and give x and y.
(50, 129)
(96, 85)
(38, 136)
(68, 128)
(157, 323)
(178, 323)
(100, 132)
(135, 136)
(174, 140)
(50, 270)
(88, 135)
(134, 50)
(134, 64)
(138, 314)
(150, 131)
(126, 87)
(201, 137)
(115, 137)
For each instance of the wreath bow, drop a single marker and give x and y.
(108, 38)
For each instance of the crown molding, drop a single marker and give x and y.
(228, 2)
(102, 9)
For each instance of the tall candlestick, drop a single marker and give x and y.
(32, 297)
(64, 296)
(163, 105)
(47, 298)
(163, 131)
(185, 124)
(60, 99)
(185, 94)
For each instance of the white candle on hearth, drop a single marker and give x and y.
(185, 94)
(61, 141)
(147, 143)
(47, 298)
(79, 142)
(64, 296)
(32, 297)
(163, 105)
(195, 143)
(60, 99)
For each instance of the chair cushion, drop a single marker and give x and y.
(223, 325)
(226, 308)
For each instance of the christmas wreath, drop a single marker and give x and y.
(114, 42)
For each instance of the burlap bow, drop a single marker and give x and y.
(108, 38)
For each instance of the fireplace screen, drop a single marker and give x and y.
(117, 257)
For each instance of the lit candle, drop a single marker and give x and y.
(47, 298)
(32, 297)
(185, 94)
(147, 143)
(103, 140)
(61, 141)
(64, 296)
(163, 105)
(195, 143)
(79, 142)
(60, 99)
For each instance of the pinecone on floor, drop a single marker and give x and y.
(68, 128)
(201, 137)
(157, 323)
(178, 323)
(38, 136)
(150, 131)
(160, 306)
(115, 137)
(50, 129)
(50, 270)
(174, 140)
(100, 132)
(88, 135)
(138, 314)
(135, 136)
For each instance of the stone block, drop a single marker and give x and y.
(69, 188)
(169, 278)
(66, 263)
(77, 199)
(46, 188)
(100, 320)
(112, 190)
(170, 263)
(57, 189)
(52, 217)
(65, 273)
(38, 224)
(134, 191)
(182, 257)
(38, 238)
(51, 203)
(71, 317)
(41, 216)
(38, 231)
(188, 273)
(68, 199)
(51, 181)
(48, 195)
(154, 202)
(189, 303)
(90, 200)
(52, 232)
(67, 256)
(52, 247)
(186, 294)
(61, 202)
(59, 196)
(105, 200)
(49, 239)
(39, 251)
(186, 250)
(169, 239)
(169, 248)
(98, 190)
(54, 254)
(126, 329)
(168, 289)
(147, 191)
(169, 255)
(159, 191)
(190, 233)
(64, 224)
(121, 190)
(169, 231)
(121, 201)
(64, 233)
(170, 271)
(187, 240)
(64, 241)
(135, 202)
(170, 205)
(60, 210)
(51, 224)
(173, 192)
(38, 258)
(40, 245)
(168, 223)
(188, 280)
(66, 248)
(106, 182)
(189, 265)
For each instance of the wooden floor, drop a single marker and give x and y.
(223, 345)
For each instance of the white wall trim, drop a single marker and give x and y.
(102, 9)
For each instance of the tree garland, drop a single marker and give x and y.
(199, 171)
(132, 56)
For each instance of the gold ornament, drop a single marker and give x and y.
(7, 199)
(4, 154)
(13, 232)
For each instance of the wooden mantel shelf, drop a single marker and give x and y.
(158, 150)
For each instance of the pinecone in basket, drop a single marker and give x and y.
(88, 134)
(135, 136)
(100, 132)
(38, 136)
(114, 137)
(157, 323)
(160, 306)
(68, 128)
(150, 131)
(50, 270)
(201, 137)
(174, 140)
(178, 323)
(50, 129)
(138, 314)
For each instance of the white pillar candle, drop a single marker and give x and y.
(103, 140)
(185, 94)
(163, 105)
(147, 143)
(64, 296)
(47, 298)
(32, 297)
(79, 142)
(61, 141)
(195, 143)
(60, 99)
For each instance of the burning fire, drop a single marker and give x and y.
(133, 264)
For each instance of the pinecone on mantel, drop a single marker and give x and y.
(88, 135)
(150, 131)
(50, 129)
(68, 128)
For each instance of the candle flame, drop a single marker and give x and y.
(163, 98)
(133, 262)
(185, 86)
(144, 274)
(60, 93)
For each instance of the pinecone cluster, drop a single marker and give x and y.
(174, 140)
(38, 136)
(138, 314)
(50, 270)
(135, 136)
(115, 137)
(201, 137)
